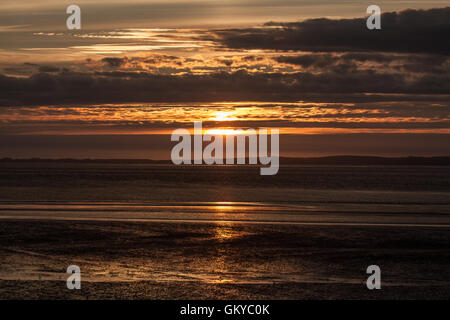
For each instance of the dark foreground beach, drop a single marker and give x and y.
(159, 232)
(135, 260)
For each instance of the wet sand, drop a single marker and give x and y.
(343, 214)
(220, 260)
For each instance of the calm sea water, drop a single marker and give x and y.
(393, 178)
(238, 190)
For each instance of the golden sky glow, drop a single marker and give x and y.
(223, 118)
(152, 66)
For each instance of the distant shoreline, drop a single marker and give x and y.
(330, 160)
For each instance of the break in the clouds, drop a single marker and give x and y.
(290, 118)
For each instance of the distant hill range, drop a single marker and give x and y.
(332, 160)
(368, 160)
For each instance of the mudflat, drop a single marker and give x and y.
(220, 260)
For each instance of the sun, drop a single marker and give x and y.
(222, 132)
(223, 116)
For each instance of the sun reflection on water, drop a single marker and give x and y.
(224, 231)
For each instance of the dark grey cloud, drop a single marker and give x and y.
(118, 86)
(48, 69)
(382, 62)
(115, 62)
(414, 31)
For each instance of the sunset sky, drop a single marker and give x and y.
(139, 69)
